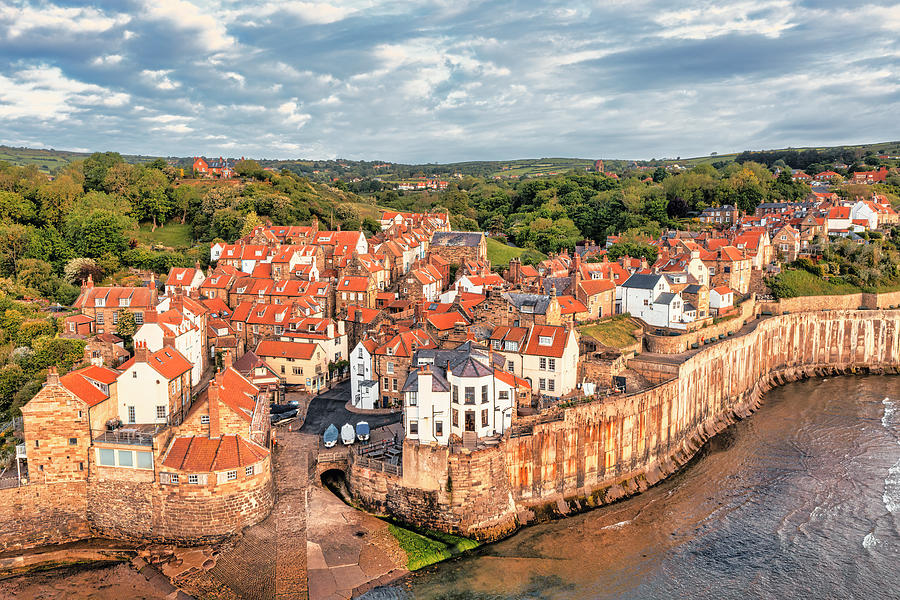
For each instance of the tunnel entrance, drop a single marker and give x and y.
(336, 481)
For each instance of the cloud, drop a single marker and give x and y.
(445, 80)
(44, 93)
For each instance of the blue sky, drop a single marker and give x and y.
(447, 80)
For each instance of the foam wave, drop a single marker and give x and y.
(870, 541)
(891, 495)
(618, 525)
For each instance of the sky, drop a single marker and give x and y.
(421, 81)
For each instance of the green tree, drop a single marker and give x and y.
(96, 166)
(14, 240)
(151, 200)
(127, 326)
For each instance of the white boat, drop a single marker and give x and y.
(348, 434)
(362, 431)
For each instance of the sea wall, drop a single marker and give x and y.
(131, 505)
(604, 451)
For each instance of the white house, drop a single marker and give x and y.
(184, 280)
(475, 284)
(546, 356)
(838, 219)
(457, 392)
(720, 298)
(363, 383)
(174, 328)
(153, 387)
(649, 298)
(864, 210)
(215, 250)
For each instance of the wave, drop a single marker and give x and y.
(891, 496)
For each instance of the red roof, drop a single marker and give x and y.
(77, 383)
(722, 290)
(596, 286)
(351, 283)
(167, 361)
(181, 276)
(276, 349)
(509, 378)
(839, 212)
(557, 338)
(138, 297)
(204, 455)
(445, 320)
(569, 305)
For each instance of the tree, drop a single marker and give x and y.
(78, 270)
(251, 222)
(152, 201)
(36, 274)
(14, 241)
(96, 167)
(127, 326)
(248, 168)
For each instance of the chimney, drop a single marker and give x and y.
(153, 290)
(140, 352)
(212, 395)
(52, 376)
(168, 340)
(89, 283)
(227, 359)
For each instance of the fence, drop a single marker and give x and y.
(379, 465)
(384, 456)
(121, 436)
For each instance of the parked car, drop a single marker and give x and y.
(330, 437)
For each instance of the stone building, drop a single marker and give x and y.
(457, 246)
(105, 304)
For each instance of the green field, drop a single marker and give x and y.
(615, 332)
(542, 166)
(797, 282)
(49, 161)
(422, 551)
(500, 254)
(172, 234)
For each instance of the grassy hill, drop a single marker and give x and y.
(49, 161)
(500, 254)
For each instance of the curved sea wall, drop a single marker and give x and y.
(604, 451)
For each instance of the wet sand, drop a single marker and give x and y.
(106, 582)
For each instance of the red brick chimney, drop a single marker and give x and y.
(140, 352)
(212, 395)
(52, 376)
(227, 360)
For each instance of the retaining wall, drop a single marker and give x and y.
(604, 451)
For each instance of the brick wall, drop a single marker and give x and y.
(39, 514)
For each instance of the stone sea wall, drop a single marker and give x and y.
(605, 451)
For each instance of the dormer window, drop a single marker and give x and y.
(390, 351)
(545, 340)
(260, 313)
(101, 302)
(241, 289)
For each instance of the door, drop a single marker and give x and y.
(470, 420)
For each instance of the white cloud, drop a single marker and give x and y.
(160, 79)
(175, 128)
(108, 60)
(45, 93)
(292, 114)
(318, 13)
(26, 18)
(210, 31)
(767, 17)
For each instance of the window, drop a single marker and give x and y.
(545, 340)
(390, 368)
(81, 466)
(115, 317)
(470, 395)
(134, 374)
(193, 479)
(484, 394)
(551, 385)
(551, 363)
(543, 363)
(298, 371)
(106, 457)
(438, 428)
(414, 428)
(542, 383)
(204, 419)
(394, 386)
(503, 395)
(249, 471)
(126, 458)
(99, 318)
(144, 460)
(454, 417)
(510, 366)
(131, 415)
(231, 475)
(387, 384)
(160, 412)
(139, 318)
(484, 418)
(73, 441)
(412, 398)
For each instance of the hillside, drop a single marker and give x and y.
(49, 161)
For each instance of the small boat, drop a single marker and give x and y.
(281, 408)
(348, 434)
(362, 431)
(330, 437)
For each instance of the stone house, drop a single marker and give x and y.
(300, 364)
(598, 296)
(105, 304)
(328, 333)
(547, 358)
(421, 283)
(457, 246)
(392, 361)
(517, 309)
(106, 350)
(185, 280)
(354, 290)
(787, 243)
(728, 266)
